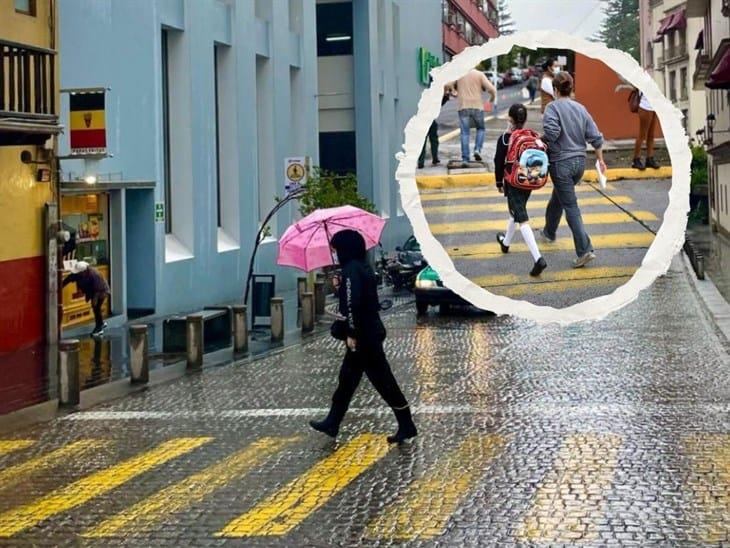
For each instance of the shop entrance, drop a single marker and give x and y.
(140, 251)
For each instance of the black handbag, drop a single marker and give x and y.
(339, 330)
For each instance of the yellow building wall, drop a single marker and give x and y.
(22, 201)
(26, 29)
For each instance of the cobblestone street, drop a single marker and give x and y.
(613, 432)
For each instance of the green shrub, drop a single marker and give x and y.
(325, 189)
(699, 166)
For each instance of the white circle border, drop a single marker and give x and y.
(669, 238)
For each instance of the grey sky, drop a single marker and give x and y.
(578, 17)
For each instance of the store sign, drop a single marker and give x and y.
(562, 60)
(159, 212)
(426, 61)
(87, 122)
(296, 170)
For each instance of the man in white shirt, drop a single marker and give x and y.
(549, 69)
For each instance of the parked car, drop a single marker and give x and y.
(430, 291)
(491, 76)
(508, 78)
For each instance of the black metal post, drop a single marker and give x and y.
(292, 196)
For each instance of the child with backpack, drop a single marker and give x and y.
(520, 162)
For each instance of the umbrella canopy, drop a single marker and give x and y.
(306, 244)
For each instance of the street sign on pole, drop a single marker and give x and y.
(296, 170)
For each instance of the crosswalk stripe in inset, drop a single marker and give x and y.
(17, 519)
(570, 500)
(709, 481)
(8, 446)
(190, 491)
(574, 274)
(559, 287)
(491, 250)
(292, 504)
(13, 474)
(532, 206)
(423, 510)
(492, 192)
(461, 227)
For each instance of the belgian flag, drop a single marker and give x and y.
(88, 123)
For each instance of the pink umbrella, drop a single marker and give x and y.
(305, 244)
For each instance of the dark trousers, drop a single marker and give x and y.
(433, 138)
(371, 361)
(96, 303)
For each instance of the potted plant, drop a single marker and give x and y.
(698, 198)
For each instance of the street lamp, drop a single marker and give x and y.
(700, 136)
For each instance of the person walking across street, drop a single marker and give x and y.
(516, 197)
(550, 69)
(532, 84)
(364, 334)
(95, 289)
(433, 137)
(647, 128)
(567, 127)
(469, 89)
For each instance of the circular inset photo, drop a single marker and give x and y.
(546, 177)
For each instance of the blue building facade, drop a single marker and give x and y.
(205, 100)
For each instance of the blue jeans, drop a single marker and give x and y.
(565, 174)
(466, 116)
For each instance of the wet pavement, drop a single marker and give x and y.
(603, 433)
(715, 249)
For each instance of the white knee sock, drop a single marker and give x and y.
(510, 232)
(529, 238)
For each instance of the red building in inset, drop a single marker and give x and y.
(467, 23)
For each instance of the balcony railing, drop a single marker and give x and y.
(27, 82)
(675, 53)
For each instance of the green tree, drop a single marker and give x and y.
(620, 29)
(326, 189)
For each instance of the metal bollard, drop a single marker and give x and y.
(194, 341)
(240, 329)
(307, 312)
(277, 319)
(700, 267)
(301, 289)
(69, 387)
(319, 297)
(139, 365)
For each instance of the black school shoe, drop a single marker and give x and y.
(477, 157)
(638, 164)
(406, 428)
(500, 239)
(652, 163)
(324, 427)
(539, 266)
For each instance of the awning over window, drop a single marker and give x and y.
(720, 76)
(673, 21)
(700, 44)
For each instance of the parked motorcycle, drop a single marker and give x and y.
(401, 269)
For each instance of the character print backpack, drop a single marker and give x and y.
(527, 160)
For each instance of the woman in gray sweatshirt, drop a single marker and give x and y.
(567, 127)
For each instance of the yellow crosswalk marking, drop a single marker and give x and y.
(292, 504)
(571, 498)
(461, 227)
(492, 192)
(537, 205)
(573, 274)
(619, 240)
(17, 519)
(424, 509)
(8, 446)
(14, 474)
(192, 490)
(558, 287)
(709, 481)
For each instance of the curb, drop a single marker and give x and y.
(486, 178)
(715, 305)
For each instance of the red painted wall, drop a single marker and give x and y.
(595, 83)
(22, 303)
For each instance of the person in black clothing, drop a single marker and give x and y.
(433, 137)
(516, 197)
(364, 332)
(95, 289)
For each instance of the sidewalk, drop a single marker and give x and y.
(716, 251)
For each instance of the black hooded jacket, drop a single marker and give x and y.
(358, 291)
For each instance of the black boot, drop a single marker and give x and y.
(406, 428)
(326, 426)
(638, 164)
(652, 163)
